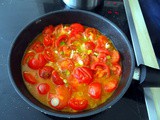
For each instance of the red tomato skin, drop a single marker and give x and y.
(29, 78)
(102, 69)
(42, 60)
(76, 28)
(111, 86)
(58, 29)
(102, 57)
(91, 32)
(38, 47)
(33, 64)
(118, 69)
(43, 88)
(99, 64)
(49, 55)
(78, 104)
(47, 40)
(115, 57)
(37, 63)
(56, 78)
(60, 39)
(48, 30)
(95, 90)
(102, 40)
(102, 50)
(27, 57)
(89, 45)
(67, 64)
(45, 72)
(83, 75)
(86, 60)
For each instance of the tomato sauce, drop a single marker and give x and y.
(71, 68)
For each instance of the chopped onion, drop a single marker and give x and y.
(54, 101)
(80, 62)
(107, 45)
(65, 81)
(72, 53)
(56, 51)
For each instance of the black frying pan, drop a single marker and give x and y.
(67, 17)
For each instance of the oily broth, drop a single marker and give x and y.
(82, 90)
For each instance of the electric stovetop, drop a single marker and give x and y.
(14, 15)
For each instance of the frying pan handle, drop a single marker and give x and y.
(149, 77)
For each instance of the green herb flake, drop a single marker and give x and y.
(62, 43)
(62, 53)
(108, 56)
(67, 72)
(89, 52)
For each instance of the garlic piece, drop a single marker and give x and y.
(55, 102)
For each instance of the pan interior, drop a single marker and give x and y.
(68, 17)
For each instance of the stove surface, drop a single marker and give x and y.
(15, 14)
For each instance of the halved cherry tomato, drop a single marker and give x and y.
(115, 56)
(29, 78)
(48, 30)
(48, 40)
(43, 88)
(95, 90)
(102, 69)
(89, 45)
(102, 40)
(91, 33)
(102, 50)
(63, 95)
(78, 104)
(58, 30)
(99, 65)
(111, 86)
(67, 64)
(56, 78)
(117, 69)
(27, 57)
(72, 38)
(60, 39)
(102, 57)
(45, 72)
(76, 28)
(35, 63)
(49, 55)
(83, 75)
(38, 47)
(64, 50)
